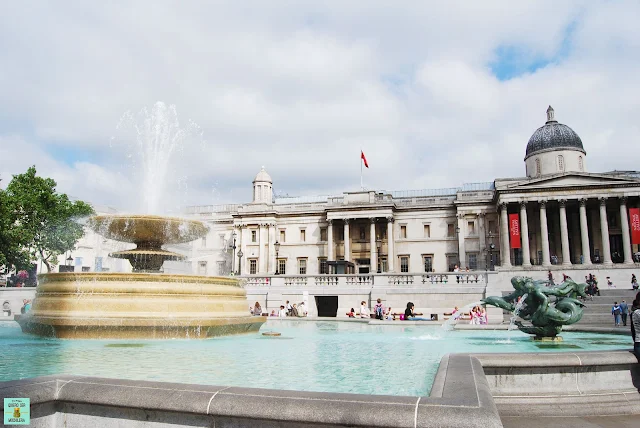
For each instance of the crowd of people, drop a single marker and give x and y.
(286, 310)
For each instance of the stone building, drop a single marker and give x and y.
(567, 217)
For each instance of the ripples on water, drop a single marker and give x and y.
(309, 356)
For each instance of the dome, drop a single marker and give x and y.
(553, 136)
(263, 177)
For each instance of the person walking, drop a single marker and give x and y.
(635, 327)
(624, 311)
(615, 311)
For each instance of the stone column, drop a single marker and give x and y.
(524, 234)
(604, 231)
(462, 254)
(262, 258)
(626, 238)
(564, 234)
(272, 250)
(243, 247)
(372, 242)
(390, 244)
(584, 233)
(330, 249)
(347, 241)
(544, 232)
(505, 251)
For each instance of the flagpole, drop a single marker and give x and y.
(361, 186)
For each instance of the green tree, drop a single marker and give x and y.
(44, 222)
(13, 251)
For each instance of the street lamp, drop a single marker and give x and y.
(458, 239)
(277, 247)
(233, 246)
(69, 260)
(240, 262)
(378, 248)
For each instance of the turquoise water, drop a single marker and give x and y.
(309, 356)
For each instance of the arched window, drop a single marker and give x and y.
(580, 163)
(560, 163)
(538, 169)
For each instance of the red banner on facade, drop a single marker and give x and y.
(514, 230)
(634, 219)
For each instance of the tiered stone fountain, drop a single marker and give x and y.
(145, 304)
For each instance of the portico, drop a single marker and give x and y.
(364, 237)
(569, 226)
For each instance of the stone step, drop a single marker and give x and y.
(604, 319)
(625, 292)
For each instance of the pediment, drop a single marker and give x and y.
(571, 180)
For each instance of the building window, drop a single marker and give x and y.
(383, 235)
(538, 169)
(253, 266)
(363, 234)
(302, 266)
(560, 163)
(303, 235)
(452, 261)
(427, 231)
(341, 234)
(221, 268)
(382, 264)
(428, 263)
(403, 232)
(202, 268)
(323, 234)
(580, 163)
(282, 266)
(323, 268)
(404, 263)
(254, 236)
(203, 242)
(221, 236)
(451, 231)
(471, 227)
(492, 226)
(473, 261)
(282, 236)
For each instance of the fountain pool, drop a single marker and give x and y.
(309, 356)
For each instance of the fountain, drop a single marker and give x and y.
(534, 304)
(146, 303)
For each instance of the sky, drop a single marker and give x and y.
(436, 94)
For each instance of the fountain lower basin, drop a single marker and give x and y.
(138, 305)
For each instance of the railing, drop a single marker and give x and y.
(473, 278)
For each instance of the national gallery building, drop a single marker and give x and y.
(558, 216)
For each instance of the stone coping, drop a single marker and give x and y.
(86, 277)
(460, 397)
(557, 359)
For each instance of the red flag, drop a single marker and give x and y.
(634, 219)
(364, 159)
(514, 230)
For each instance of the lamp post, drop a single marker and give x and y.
(240, 262)
(234, 235)
(277, 247)
(69, 260)
(378, 248)
(458, 242)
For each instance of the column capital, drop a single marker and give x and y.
(583, 202)
(390, 219)
(330, 221)
(372, 220)
(346, 220)
(623, 200)
(562, 202)
(603, 201)
(460, 216)
(543, 204)
(502, 206)
(523, 204)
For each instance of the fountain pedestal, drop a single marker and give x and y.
(140, 305)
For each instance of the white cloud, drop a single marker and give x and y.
(302, 87)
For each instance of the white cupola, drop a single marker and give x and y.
(263, 188)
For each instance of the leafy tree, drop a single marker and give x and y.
(13, 252)
(43, 221)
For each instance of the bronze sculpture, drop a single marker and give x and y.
(547, 315)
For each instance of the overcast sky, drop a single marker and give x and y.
(435, 94)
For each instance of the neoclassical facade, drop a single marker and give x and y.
(567, 217)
